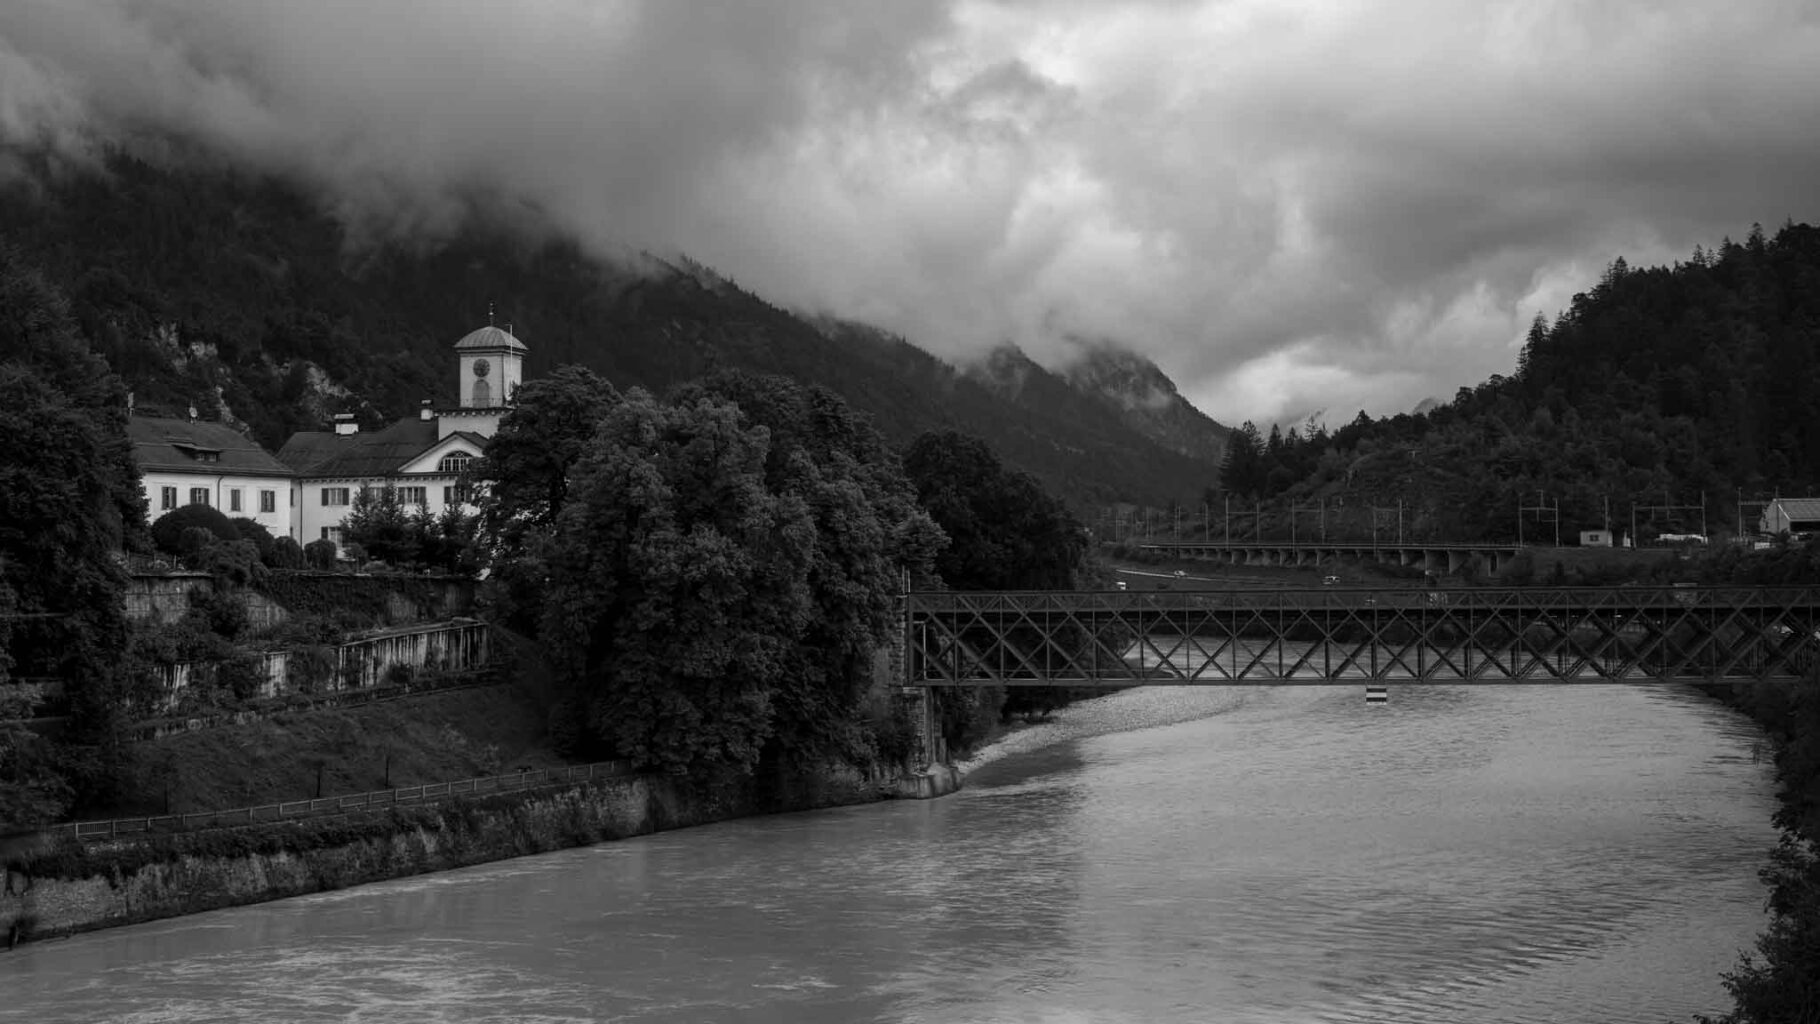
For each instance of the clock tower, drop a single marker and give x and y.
(492, 366)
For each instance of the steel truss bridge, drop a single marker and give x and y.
(1336, 635)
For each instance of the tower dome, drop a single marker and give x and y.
(490, 337)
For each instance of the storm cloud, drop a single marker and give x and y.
(1288, 206)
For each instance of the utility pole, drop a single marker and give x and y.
(1538, 508)
(1397, 509)
(1228, 518)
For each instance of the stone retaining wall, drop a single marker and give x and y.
(456, 835)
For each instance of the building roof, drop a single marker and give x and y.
(491, 337)
(1800, 509)
(307, 449)
(376, 454)
(171, 445)
(364, 454)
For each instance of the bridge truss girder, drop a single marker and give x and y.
(1335, 636)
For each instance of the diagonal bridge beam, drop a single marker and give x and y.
(1345, 635)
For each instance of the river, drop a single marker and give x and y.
(1483, 853)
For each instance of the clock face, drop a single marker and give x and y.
(481, 368)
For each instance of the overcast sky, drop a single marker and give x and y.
(1289, 206)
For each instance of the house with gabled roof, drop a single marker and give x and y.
(422, 458)
(193, 462)
(1790, 516)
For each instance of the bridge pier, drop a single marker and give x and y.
(929, 774)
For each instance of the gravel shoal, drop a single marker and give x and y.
(1124, 711)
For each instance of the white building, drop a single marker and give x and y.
(190, 462)
(422, 458)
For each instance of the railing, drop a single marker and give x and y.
(468, 679)
(1307, 542)
(376, 800)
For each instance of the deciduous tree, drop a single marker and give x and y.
(715, 586)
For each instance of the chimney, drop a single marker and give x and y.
(425, 413)
(345, 425)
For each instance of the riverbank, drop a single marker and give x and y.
(54, 890)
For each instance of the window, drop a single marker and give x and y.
(199, 495)
(454, 462)
(454, 495)
(268, 501)
(334, 495)
(412, 495)
(483, 394)
(332, 533)
(167, 498)
(234, 499)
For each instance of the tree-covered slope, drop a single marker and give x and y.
(1658, 391)
(236, 292)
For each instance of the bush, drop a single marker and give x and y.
(167, 532)
(286, 554)
(894, 735)
(235, 564)
(320, 554)
(253, 530)
(310, 669)
(223, 614)
(242, 677)
(192, 542)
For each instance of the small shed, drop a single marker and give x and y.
(1595, 538)
(1791, 515)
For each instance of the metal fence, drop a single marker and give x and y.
(409, 796)
(468, 680)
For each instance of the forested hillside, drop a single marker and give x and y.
(1670, 386)
(198, 282)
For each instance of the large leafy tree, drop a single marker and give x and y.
(1005, 533)
(69, 503)
(529, 460)
(869, 533)
(715, 586)
(526, 476)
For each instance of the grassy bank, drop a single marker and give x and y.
(423, 739)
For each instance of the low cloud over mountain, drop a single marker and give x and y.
(1284, 206)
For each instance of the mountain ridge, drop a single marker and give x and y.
(221, 287)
